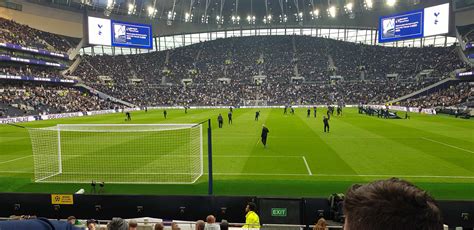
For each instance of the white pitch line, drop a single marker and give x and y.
(19, 158)
(241, 156)
(452, 146)
(406, 176)
(15, 172)
(257, 174)
(307, 166)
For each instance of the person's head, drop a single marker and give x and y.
(91, 224)
(251, 206)
(132, 225)
(117, 224)
(200, 224)
(174, 226)
(320, 225)
(224, 225)
(159, 226)
(71, 220)
(210, 219)
(393, 202)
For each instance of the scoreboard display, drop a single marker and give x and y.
(102, 31)
(414, 24)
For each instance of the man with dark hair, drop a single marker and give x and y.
(308, 113)
(326, 123)
(257, 114)
(159, 226)
(314, 111)
(252, 221)
(129, 118)
(71, 220)
(165, 113)
(393, 202)
(220, 120)
(117, 224)
(265, 132)
(229, 115)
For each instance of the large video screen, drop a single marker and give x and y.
(115, 33)
(414, 24)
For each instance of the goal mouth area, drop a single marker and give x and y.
(118, 153)
(116, 127)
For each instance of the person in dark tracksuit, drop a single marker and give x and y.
(308, 114)
(314, 110)
(165, 113)
(220, 120)
(257, 114)
(326, 124)
(229, 115)
(264, 135)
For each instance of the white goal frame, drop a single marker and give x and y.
(43, 151)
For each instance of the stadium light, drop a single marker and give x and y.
(349, 7)
(391, 3)
(251, 19)
(267, 19)
(299, 17)
(235, 19)
(171, 15)
(368, 4)
(110, 4)
(332, 11)
(205, 19)
(151, 11)
(131, 8)
(283, 18)
(188, 17)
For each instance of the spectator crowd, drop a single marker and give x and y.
(23, 35)
(222, 72)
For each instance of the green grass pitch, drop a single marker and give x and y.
(434, 152)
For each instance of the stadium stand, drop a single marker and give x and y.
(12, 32)
(278, 58)
(20, 98)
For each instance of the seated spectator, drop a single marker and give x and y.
(200, 224)
(321, 225)
(211, 223)
(132, 225)
(159, 226)
(390, 204)
(174, 226)
(117, 224)
(71, 220)
(224, 225)
(91, 224)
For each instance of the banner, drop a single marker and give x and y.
(28, 78)
(4, 57)
(33, 50)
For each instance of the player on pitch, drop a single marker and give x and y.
(264, 135)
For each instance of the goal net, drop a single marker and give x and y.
(115, 153)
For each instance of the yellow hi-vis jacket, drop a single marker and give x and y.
(252, 221)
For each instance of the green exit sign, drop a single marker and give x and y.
(279, 212)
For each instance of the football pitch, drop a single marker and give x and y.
(434, 152)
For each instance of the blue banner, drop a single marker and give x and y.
(4, 57)
(33, 50)
(30, 78)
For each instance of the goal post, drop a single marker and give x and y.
(118, 153)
